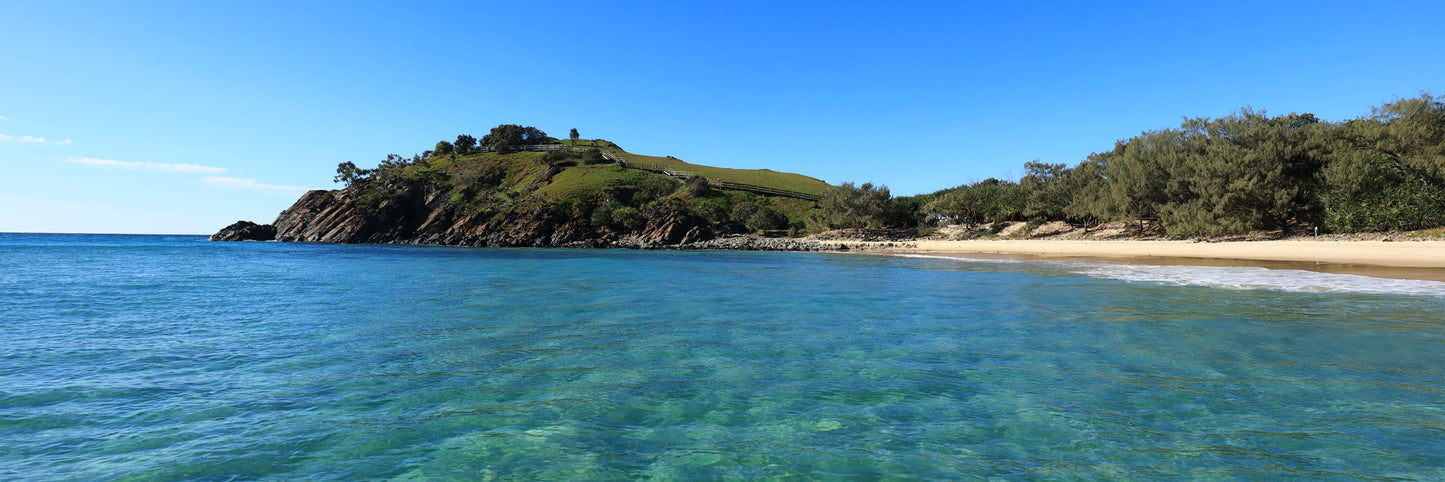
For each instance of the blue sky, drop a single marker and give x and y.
(182, 117)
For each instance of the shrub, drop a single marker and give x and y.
(765, 219)
(443, 148)
(556, 157)
(593, 156)
(654, 188)
(847, 206)
(709, 210)
(1397, 208)
(602, 215)
(759, 217)
(796, 228)
(697, 186)
(628, 217)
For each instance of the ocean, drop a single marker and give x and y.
(126, 357)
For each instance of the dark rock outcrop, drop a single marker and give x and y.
(245, 231)
(346, 216)
(343, 216)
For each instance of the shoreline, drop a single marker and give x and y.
(1420, 260)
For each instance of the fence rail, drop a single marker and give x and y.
(664, 170)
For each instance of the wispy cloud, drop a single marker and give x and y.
(32, 201)
(32, 140)
(251, 184)
(152, 166)
(41, 140)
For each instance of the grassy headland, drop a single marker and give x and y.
(538, 183)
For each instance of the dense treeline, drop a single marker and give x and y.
(1243, 172)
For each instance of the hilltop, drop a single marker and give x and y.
(519, 187)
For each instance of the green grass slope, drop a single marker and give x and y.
(602, 195)
(758, 177)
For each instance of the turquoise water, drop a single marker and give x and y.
(168, 357)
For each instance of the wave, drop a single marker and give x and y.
(1257, 278)
(1226, 277)
(959, 258)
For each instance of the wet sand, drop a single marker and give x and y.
(1401, 259)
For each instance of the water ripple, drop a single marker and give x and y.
(171, 358)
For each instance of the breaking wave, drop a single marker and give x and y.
(1257, 278)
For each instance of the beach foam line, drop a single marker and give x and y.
(957, 258)
(1224, 277)
(1257, 278)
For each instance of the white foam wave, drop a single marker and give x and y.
(1256, 278)
(958, 258)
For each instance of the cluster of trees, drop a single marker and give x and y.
(1243, 172)
(501, 139)
(506, 136)
(849, 206)
(386, 171)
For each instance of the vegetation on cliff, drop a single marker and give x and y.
(574, 192)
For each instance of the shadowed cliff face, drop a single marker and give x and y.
(341, 217)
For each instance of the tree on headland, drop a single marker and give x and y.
(442, 148)
(464, 144)
(347, 173)
(506, 136)
(574, 136)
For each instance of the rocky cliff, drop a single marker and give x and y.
(337, 217)
(532, 198)
(245, 231)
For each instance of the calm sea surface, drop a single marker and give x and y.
(168, 357)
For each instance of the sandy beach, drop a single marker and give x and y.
(1399, 259)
